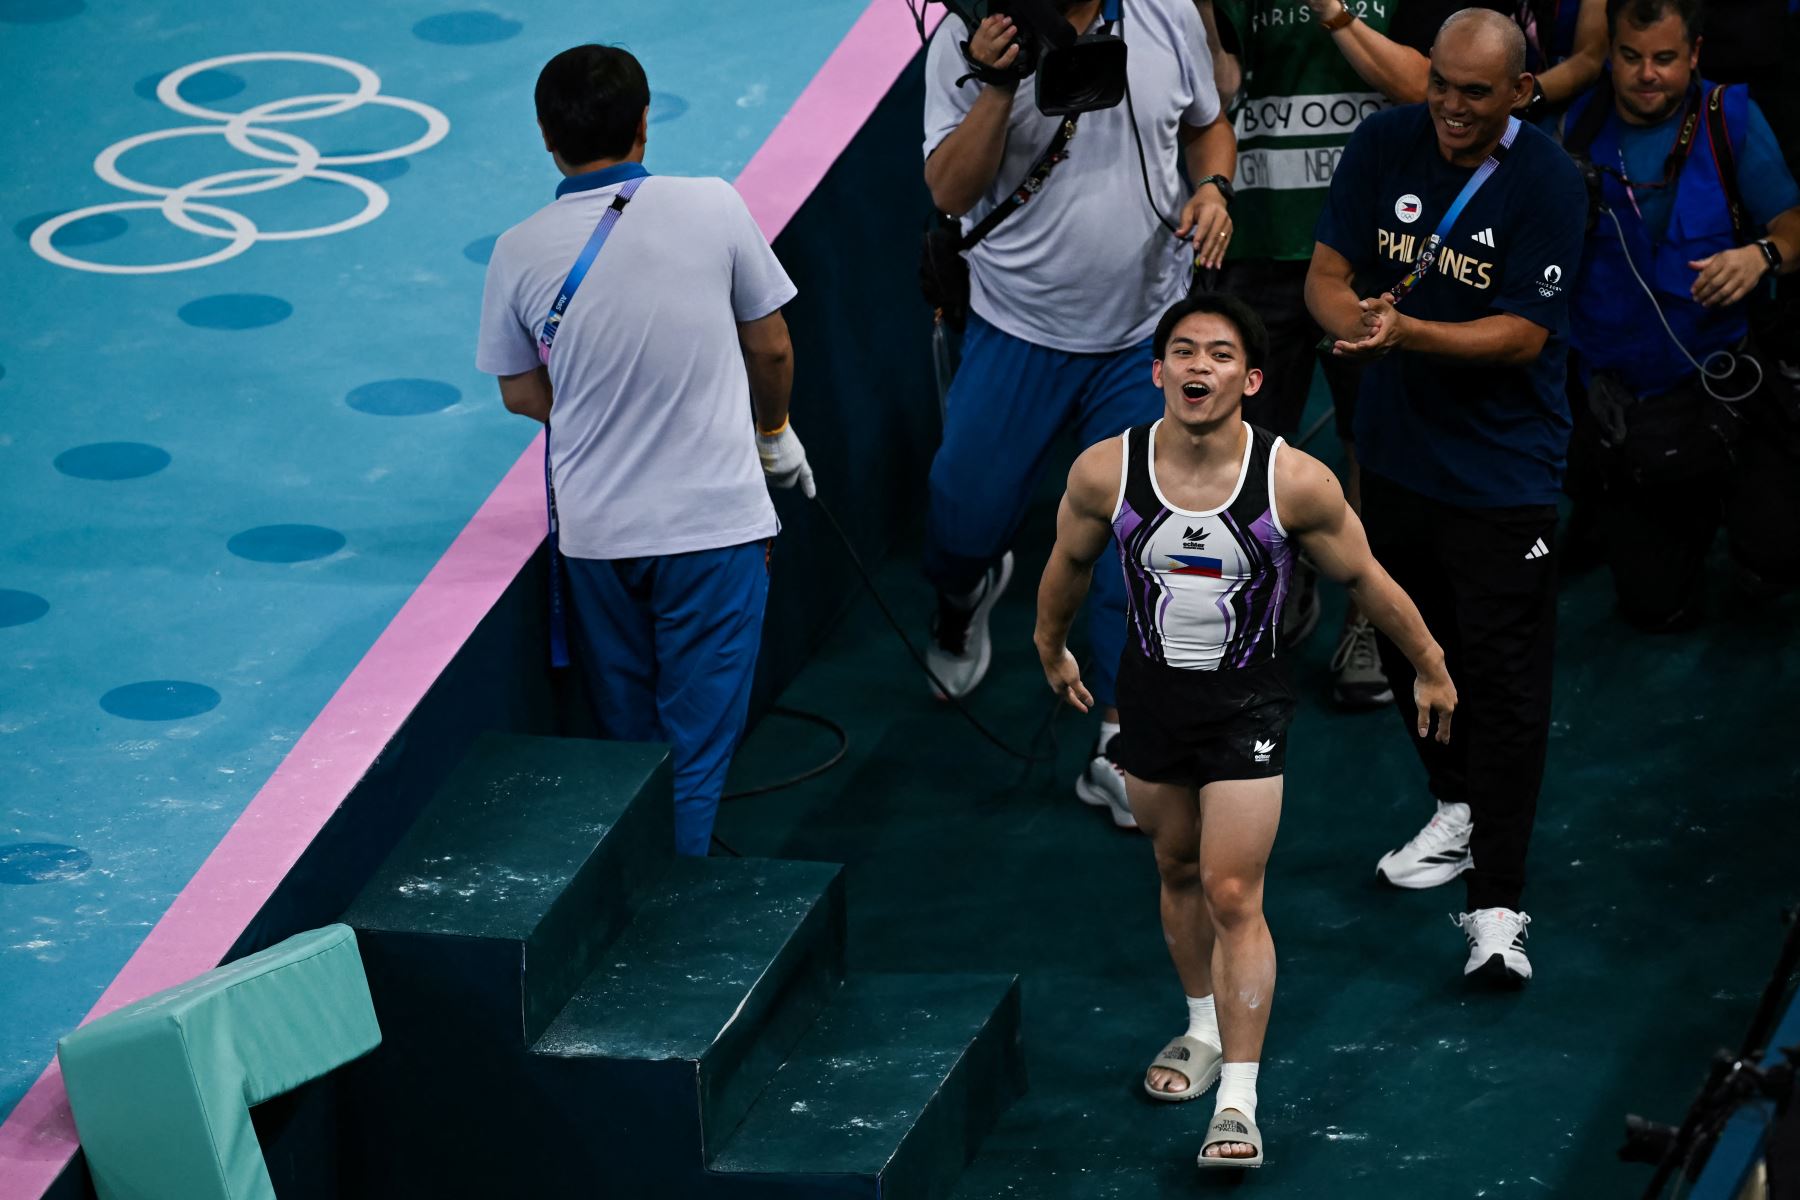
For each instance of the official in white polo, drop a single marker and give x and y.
(664, 379)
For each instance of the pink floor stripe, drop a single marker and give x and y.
(38, 1138)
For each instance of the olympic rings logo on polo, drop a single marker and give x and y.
(247, 132)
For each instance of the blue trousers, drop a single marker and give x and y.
(1007, 405)
(668, 646)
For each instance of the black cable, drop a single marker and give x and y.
(1026, 756)
(1144, 165)
(917, 9)
(843, 748)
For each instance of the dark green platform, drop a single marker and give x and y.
(577, 1012)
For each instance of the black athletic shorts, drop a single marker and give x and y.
(1198, 727)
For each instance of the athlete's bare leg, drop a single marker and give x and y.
(1238, 819)
(1170, 814)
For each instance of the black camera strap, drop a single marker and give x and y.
(1725, 163)
(1033, 183)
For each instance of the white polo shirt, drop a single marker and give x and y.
(1085, 265)
(652, 436)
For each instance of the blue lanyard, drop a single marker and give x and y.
(1482, 174)
(559, 618)
(578, 272)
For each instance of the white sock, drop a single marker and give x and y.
(1203, 1021)
(1108, 731)
(1237, 1089)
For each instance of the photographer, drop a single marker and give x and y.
(1064, 294)
(1696, 211)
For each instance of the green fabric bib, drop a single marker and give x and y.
(1299, 104)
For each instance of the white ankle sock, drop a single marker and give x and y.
(1108, 731)
(1237, 1089)
(1203, 1021)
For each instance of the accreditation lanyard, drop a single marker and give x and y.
(1483, 173)
(1677, 157)
(559, 619)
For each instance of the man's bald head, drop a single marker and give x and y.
(1491, 31)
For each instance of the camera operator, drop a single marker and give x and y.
(1696, 211)
(1064, 296)
(1468, 223)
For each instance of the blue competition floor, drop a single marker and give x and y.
(219, 482)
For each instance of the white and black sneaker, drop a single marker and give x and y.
(1357, 679)
(1437, 854)
(1103, 786)
(960, 649)
(1496, 946)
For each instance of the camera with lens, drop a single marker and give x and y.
(1075, 73)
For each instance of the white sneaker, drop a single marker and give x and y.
(1496, 945)
(1103, 786)
(959, 649)
(1437, 854)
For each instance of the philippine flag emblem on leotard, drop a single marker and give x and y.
(1194, 564)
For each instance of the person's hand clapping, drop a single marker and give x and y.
(1383, 329)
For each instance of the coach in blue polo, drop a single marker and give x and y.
(661, 383)
(1444, 259)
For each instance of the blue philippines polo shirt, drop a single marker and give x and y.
(1478, 435)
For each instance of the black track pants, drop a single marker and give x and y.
(1488, 594)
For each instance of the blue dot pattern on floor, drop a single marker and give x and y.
(38, 12)
(402, 397)
(112, 460)
(286, 543)
(235, 310)
(168, 439)
(481, 249)
(41, 862)
(21, 608)
(202, 87)
(466, 28)
(89, 231)
(160, 700)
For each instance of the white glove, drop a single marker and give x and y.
(784, 460)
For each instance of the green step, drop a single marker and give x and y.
(528, 857)
(725, 964)
(892, 1089)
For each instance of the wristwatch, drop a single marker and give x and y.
(1770, 251)
(1337, 20)
(1220, 182)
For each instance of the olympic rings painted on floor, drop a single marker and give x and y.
(246, 133)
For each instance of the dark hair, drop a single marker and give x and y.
(1644, 13)
(1249, 326)
(590, 100)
